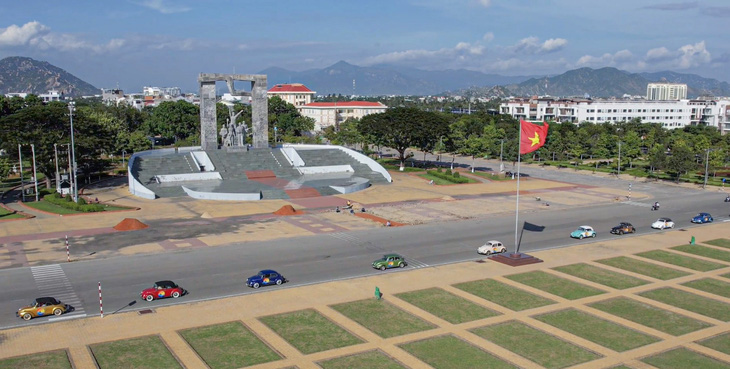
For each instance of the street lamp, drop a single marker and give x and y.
(124, 152)
(619, 159)
(71, 109)
(707, 165)
(22, 183)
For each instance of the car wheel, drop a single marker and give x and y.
(581, 237)
(175, 294)
(402, 265)
(620, 232)
(502, 251)
(488, 253)
(256, 285)
(27, 316)
(57, 311)
(382, 267)
(594, 235)
(149, 297)
(278, 281)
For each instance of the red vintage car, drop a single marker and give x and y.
(161, 290)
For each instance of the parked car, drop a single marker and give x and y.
(663, 223)
(491, 247)
(702, 218)
(390, 261)
(583, 232)
(264, 278)
(623, 227)
(161, 290)
(42, 306)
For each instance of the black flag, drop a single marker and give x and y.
(533, 227)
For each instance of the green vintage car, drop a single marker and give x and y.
(390, 261)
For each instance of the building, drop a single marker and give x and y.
(167, 92)
(670, 114)
(52, 95)
(296, 94)
(327, 114)
(666, 91)
(111, 96)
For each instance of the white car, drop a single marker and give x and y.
(663, 223)
(491, 247)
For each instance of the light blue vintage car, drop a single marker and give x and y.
(583, 232)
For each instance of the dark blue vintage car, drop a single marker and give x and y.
(702, 218)
(265, 278)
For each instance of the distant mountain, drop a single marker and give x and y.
(696, 85)
(21, 74)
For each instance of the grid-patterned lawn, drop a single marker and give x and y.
(447, 306)
(691, 302)
(711, 285)
(720, 242)
(718, 343)
(45, 360)
(650, 316)
(536, 345)
(682, 358)
(449, 352)
(681, 260)
(594, 329)
(228, 345)
(382, 317)
(562, 287)
(602, 276)
(642, 267)
(134, 353)
(309, 332)
(366, 360)
(505, 295)
(705, 251)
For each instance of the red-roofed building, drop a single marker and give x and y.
(296, 94)
(326, 114)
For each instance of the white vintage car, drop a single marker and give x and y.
(491, 247)
(663, 223)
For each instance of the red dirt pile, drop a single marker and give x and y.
(130, 224)
(378, 219)
(288, 210)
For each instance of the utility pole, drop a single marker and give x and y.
(55, 155)
(35, 175)
(22, 183)
(619, 159)
(707, 165)
(501, 150)
(71, 109)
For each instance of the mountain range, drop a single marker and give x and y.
(22, 74)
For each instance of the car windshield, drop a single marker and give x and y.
(33, 303)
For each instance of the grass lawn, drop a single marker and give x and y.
(365, 360)
(536, 345)
(721, 242)
(716, 286)
(602, 276)
(53, 208)
(383, 318)
(228, 345)
(143, 352)
(718, 343)
(682, 358)
(45, 360)
(726, 275)
(5, 214)
(650, 316)
(447, 306)
(681, 260)
(505, 295)
(562, 287)
(691, 302)
(441, 181)
(492, 177)
(449, 352)
(641, 267)
(309, 331)
(705, 251)
(594, 329)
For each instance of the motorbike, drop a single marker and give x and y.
(727, 199)
(654, 207)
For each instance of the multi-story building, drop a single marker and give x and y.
(326, 114)
(52, 95)
(666, 91)
(296, 94)
(168, 92)
(671, 114)
(112, 96)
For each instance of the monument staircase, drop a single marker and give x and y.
(325, 157)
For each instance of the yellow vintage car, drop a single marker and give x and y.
(42, 306)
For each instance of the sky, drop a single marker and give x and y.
(134, 43)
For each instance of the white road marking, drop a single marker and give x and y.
(52, 281)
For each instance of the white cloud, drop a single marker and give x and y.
(38, 36)
(693, 55)
(657, 54)
(164, 7)
(484, 3)
(687, 56)
(532, 45)
(489, 36)
(553, 44)
(18, 36)
(462, 51)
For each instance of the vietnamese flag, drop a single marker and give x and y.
(532, 136)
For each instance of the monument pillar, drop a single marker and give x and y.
(208, 126)
(260, 112)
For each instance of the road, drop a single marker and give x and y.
(217, 272)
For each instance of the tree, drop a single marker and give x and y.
(631, 146)
(682, 160)
(657, 157)
(173, 119)
(4, 167)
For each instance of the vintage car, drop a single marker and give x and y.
(491, 247)
(663, 223)
(702, 218)
(264, 278)
(161, 290)
(623, 227)
(390, 261)
(42, 306)
(583, 232)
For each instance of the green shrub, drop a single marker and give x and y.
(68, 203)
(448, 172)
(439, 170)
(445, 176)
(81, 201)
(457, 175)
(67, 198)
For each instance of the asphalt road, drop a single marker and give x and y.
(216, 272)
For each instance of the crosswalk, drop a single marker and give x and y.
(636, 203)
(344, 237)
(415, 263)
(52, 282)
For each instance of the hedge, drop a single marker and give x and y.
(56, 199)
(455, 177)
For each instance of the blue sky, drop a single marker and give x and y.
(136, 43)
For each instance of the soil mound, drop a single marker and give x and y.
(288, 210)
(206, 215)
(378, 219)
(130, 224)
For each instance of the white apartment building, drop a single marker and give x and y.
(671, 114)
(666, 91)
(168, 92)
(296, 94)
(326, 114)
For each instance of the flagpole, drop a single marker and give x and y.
(517, 206)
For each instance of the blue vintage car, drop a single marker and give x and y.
(265, 278)
(583, 232)
(702, 218)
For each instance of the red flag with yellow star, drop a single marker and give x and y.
(532, 136)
